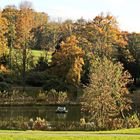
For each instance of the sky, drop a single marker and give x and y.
(127, 12)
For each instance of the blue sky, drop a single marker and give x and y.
(127, 12)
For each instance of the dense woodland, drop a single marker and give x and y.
(91, 61)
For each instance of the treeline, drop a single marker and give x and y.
(90, 58)
(25, 27)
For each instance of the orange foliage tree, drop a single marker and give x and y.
(24, 24)
(10, 13)
(3, 41)
(68, 61)
(106, 96)
(101, 36)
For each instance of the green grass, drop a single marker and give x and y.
(62, 135)
(34, 137)
(121, 131)
(37, 53)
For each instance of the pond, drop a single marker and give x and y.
(18, 118)
(11, 117)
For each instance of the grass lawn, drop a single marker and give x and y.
(35, 53)
(38, 53)
(39, 137)
(68, 135)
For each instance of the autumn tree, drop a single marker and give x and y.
(106, 96)
(67, 61)
(10, 13)
(3, 31)
(107, 35)
(24, 24)
(101, 35)
(70, 60)
(67, 28)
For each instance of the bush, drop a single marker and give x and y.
(9, 80)
(133, 121)
(41, 96)
(55, 83)
(4, 86)
(5, 76)
(52, 96)
(1, 77)
(36, 78)
(39, 124)
(4, 59)
(42, 64)
(57, 97)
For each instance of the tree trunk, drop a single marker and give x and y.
(24, 68)
(10, 56)
(135, 80)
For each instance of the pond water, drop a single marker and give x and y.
(8, 115)
(18, 117)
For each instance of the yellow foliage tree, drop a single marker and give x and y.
(68, 61)
(3, 30)
(24, 24)
(101, 35)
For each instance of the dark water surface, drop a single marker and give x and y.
(16, 117)
(45, 112)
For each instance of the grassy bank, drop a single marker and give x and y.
(68, 135)
(34, 137)
(36, 54)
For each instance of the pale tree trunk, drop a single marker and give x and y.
(24, 68)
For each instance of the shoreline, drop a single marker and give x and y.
(38, 104)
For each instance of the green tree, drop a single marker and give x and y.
(38, 30)
(130, 54)
(46, 36)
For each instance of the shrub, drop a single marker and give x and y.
(36, 78)
(133, 121)
(9, 80)
(52, 96)
(115, 123)
(41, 96)
(4, 86)
(4, 59)
(55, 83)
(42, 64)
(39, 124)
(1, 77)
(57, 97)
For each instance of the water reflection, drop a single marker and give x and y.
(61, 116)
(46, 112)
